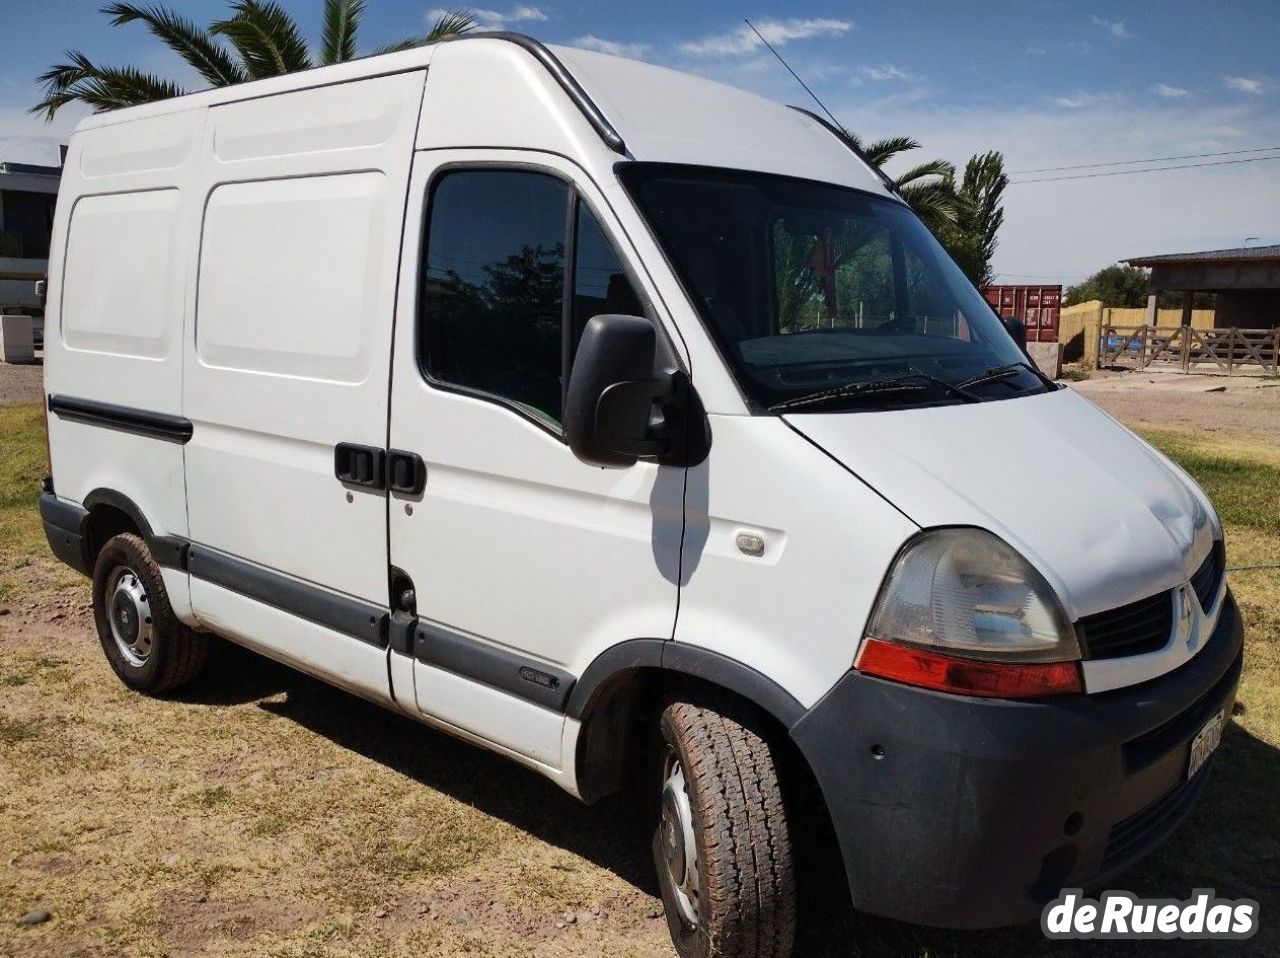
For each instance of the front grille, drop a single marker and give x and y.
(1208, 578)
(1142, 831)
(1142, 626)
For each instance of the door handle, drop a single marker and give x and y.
(406, 472)
(359, 465)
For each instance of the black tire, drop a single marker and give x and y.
(745, 883)
(174, 654)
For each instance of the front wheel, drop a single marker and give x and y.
(722, 845)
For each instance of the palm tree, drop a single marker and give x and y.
(264, 42)
(971, 240)
(927, 187)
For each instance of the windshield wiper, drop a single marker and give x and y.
(997, 373)
(874, 389)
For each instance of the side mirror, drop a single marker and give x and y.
(609, 410)
(1017, 329)
(42, 291)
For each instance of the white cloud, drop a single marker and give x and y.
(1172, 92)
(888, 72)
(634, 51)
(496, 19)
(1251, 85)
(1077, 101)
(1115, 27)
(1036, 51)
(778, 32)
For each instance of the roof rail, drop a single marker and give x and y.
(562, 76)
(885, 178)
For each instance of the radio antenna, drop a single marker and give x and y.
(822, 106)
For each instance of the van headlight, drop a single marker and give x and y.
(962, 611)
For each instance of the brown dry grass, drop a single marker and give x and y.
(266, 814)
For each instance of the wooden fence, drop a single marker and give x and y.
(1185, 347)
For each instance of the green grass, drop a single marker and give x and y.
(1245, 486)
(22, 463)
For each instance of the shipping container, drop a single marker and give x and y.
(1037, 306)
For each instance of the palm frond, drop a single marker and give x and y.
(882, 151)
(206, 56)
(266, 37)
(103, 88)
(939, 168)
(935, 203)
(341, 23)
(451, 23)
(447, 25)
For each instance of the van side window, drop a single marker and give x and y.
(493, 288)
(494, 317)
(600, 284)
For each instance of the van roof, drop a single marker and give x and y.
(641, 111)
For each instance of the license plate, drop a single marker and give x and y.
(1205, 742)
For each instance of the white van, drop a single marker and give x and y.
(619, 421)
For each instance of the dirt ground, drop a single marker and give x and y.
(1229, 404)
(21, 383)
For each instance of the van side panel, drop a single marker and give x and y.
(124, 241)
(303, 198)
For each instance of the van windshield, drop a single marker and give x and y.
(825, 298)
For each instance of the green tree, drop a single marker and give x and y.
(971, 240)
(928, 188)
(1114, 285)
(258, 40)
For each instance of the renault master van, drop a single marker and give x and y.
(632, 427)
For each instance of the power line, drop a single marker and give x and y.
(1153, 159)
(821, 105)
(1150, 169)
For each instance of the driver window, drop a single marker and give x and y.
(503, 249)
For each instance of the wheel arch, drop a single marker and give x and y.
(624, 684)
(110, 513)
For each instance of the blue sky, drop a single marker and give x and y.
(1048, 83)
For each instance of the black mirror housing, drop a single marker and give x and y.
(628, 399)
(612, 390)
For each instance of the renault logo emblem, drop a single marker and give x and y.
(1186, 617)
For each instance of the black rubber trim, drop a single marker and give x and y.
(568, 82)
(755, 687)
(64, 530)
(169, 551)
(830, 128)
(354, 617)
(489, 665)
(140, 422)
(118, 500)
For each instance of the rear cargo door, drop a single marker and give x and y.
(287, 372)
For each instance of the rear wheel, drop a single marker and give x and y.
(148, 648)
(722, 845)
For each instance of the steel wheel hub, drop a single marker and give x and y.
(679, 851)
(129, 616)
